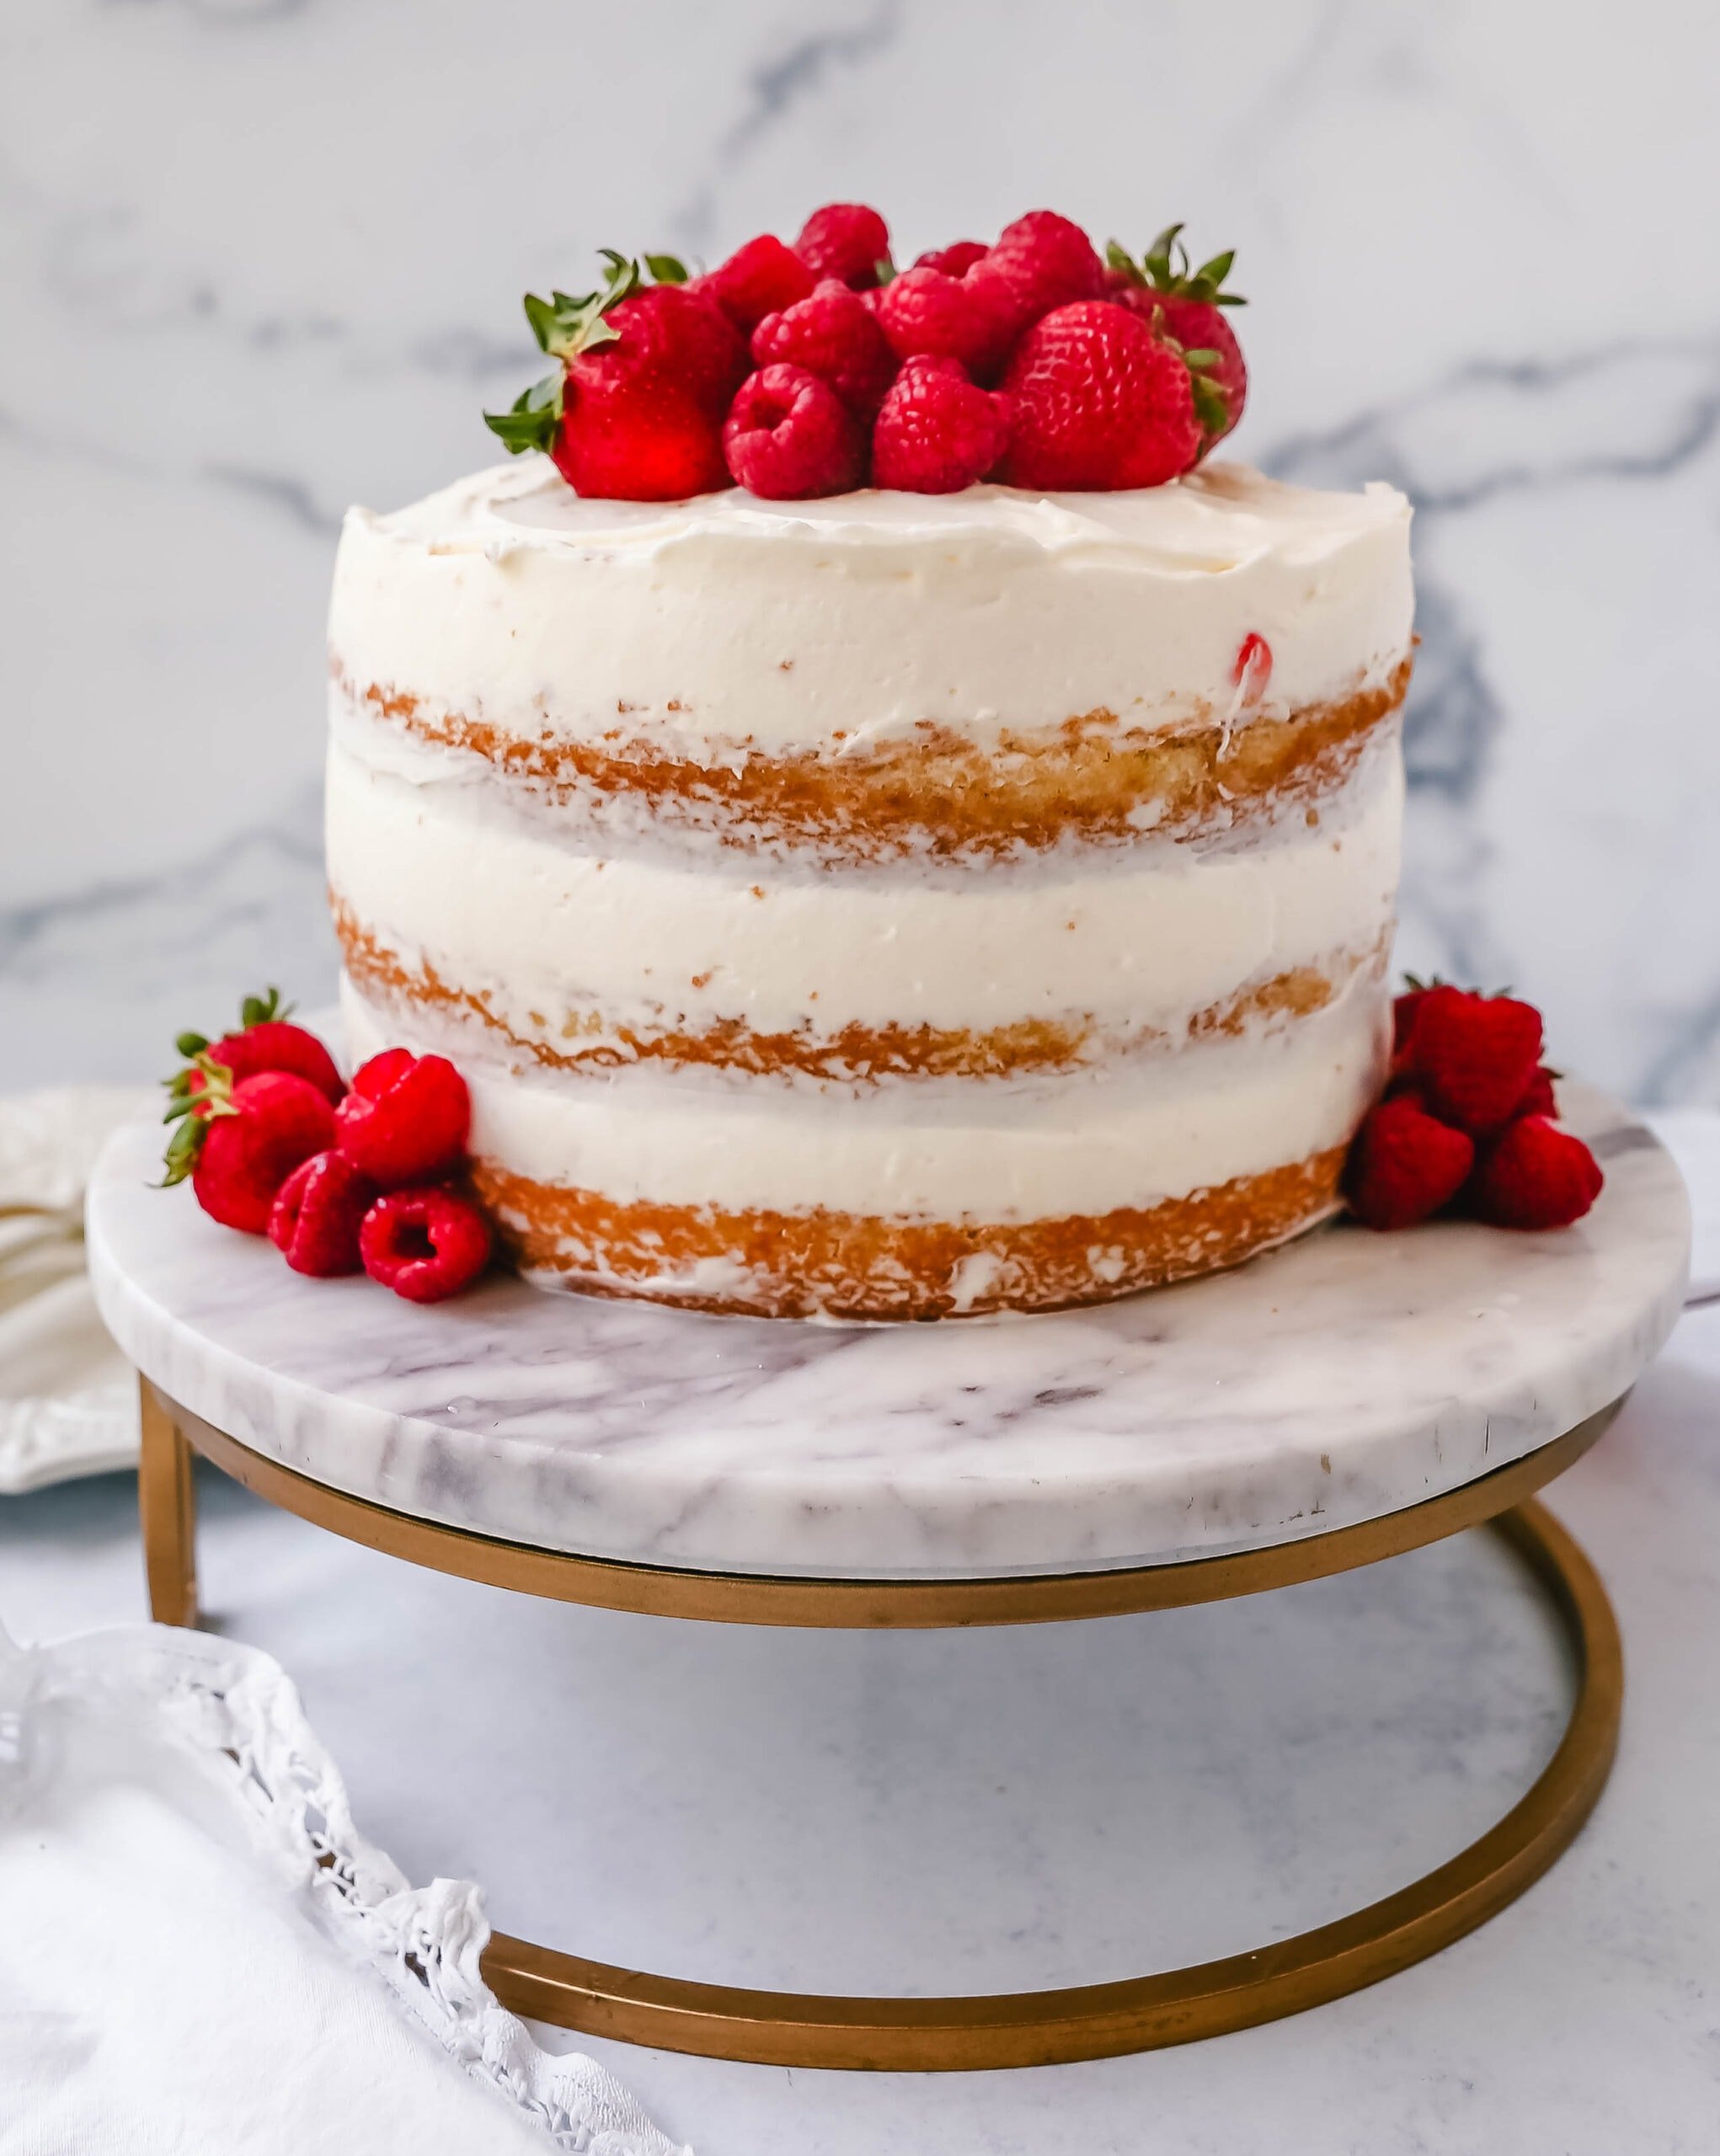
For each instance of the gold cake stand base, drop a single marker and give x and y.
(1035, 2028)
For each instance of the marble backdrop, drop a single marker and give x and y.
(262, 257)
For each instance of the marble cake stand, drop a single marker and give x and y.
(1338, 1402)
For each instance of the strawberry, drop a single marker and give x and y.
(789, 437)
(405, 1119)
(846, 241)
(1189, 305)
(1100, 402)
(1047, 262)
(974, 318)
(762, 278)
(1474, 1057)
(425, 1244)
(954, 260)
(836, 336)
(239, 1139)
(263, 1041)
(1404, 1165)
(635, 412)
(1541, 1098)
(314, 1221)
(1404, 1008)
(937, 431)
(1535, 1175)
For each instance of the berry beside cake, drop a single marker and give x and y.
(885, 823)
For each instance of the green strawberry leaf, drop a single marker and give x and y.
(530, 422)
(1166, 265)
(189, 1044)
(666, 269)
(885, 270)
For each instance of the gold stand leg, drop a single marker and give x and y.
(167, 1507)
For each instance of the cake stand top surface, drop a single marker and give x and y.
(1346, 1376)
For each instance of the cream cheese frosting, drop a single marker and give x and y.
(728, 626)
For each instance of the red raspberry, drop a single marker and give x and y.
(1404, 1165)
(406, 1118)
(1047, 262)
(846, 241)
(263, 1041)
(789, 436)
(315, 1221)
(239, 1142)
(954, 260)
(1475, 1057)
(425, 1244)
(835, 336)
(1099, 402)
(762, 278)
(1188, 306)
(937, 431)
(973, 317)
(1535, 1175)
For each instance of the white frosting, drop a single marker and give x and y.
(1132, 1136)
(444, 873)
(727, 626)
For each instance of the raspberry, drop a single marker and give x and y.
(315, 1219)
(1475, 1057)
(1099, 402)
(1535, 1175)
(846, 241)
(425, 1244)
(405, 1119)
(937, 431)
(834, 335)
(954, 260)
(1047, 262)
(762, 278)
(1404, 1165)
(239, 1142)
(973, 317)
(789, 437)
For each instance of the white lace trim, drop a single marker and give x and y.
(237, 1711)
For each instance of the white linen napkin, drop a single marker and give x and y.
(201, 1957)
(68, 1402)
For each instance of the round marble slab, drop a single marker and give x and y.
(1346, 1376)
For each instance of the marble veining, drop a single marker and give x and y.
(1344, 1377)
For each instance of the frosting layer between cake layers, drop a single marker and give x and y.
(884, 906)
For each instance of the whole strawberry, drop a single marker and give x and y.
(835, 335)
(937, 431)
(239, 1140)
(647, 371)
(1099, 402)
(262, 1040)
(405, 1119)
(425, 1244)
(1474, 1057)
(974, 316)
(1404, 1165)
(789, 437)
(762, 278)
(314, 1221)
(954, 260)
(1534, 1175)
(1047, 262)
(1189, 304)
(847, 241)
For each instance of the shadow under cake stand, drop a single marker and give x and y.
(1340, 1401)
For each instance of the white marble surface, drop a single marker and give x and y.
(1051, 1805)
(260, 257)
(1344, 1377)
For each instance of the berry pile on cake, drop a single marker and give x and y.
(884, 827)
